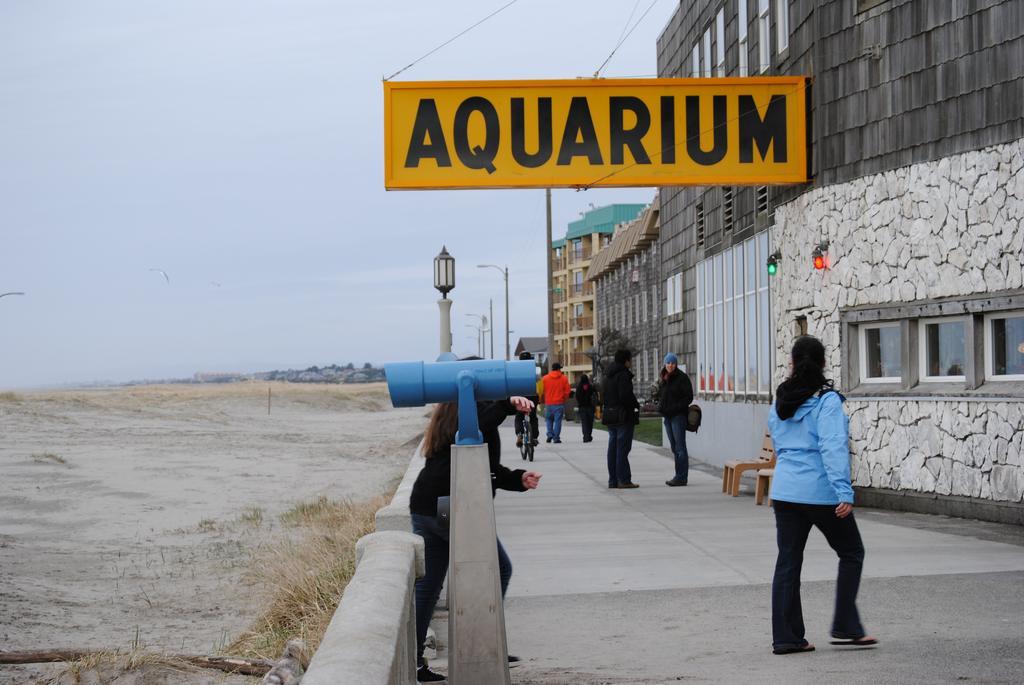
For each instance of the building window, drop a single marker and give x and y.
(695, 60)
(728, 207)
(880, 353)
(764, 47)
(699, 220)
(781, 25)
(734, 332)
(674, 295)
(720, 43)
(744, 68)
(943, 349)
(707, 53)
(1004, 346)
(643, 304)
(762, 199)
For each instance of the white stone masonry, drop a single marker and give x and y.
(952, 227)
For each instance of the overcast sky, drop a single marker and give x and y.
(237, 145)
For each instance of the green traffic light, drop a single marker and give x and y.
(772, 268)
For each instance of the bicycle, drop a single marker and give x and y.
(523, 437)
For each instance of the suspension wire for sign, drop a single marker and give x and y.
(452, 39)
(658, 153)
(625, 27)
(624, 38)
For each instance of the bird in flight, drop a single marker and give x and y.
(164, 274)
(215, 284)
(11, 293)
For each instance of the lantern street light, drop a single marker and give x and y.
(444, 281)
(504, 271)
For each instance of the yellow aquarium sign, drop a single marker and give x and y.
(595, 132)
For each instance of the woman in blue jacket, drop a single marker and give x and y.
(811, 487)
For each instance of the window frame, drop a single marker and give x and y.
(989, 351)
(706, 72)
(720, 43)
(922, 349)
(863, 356)
(781, 26)
(695, 60)
(744, 61)
(764, 35)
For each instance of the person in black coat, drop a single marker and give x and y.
(433, 481)
(675, 395)
(586, 395)
(621, 413)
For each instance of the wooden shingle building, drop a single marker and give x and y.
(914, 209)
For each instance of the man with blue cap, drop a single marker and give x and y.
(675, 395)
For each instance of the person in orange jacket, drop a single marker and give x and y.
(556, 392)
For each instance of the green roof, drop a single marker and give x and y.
(602, 220)
(558, 243)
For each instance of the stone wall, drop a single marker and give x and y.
(951, 227)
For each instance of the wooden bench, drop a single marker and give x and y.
(763, 486)
(735, 468)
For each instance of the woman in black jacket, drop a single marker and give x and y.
(434, 481)
(585, 398)
(675, 395)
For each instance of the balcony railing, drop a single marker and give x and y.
(585, 289)
(558, 295)
(581, 323)
(579, 359)
(580, 255)
(561, 327)
(557, 264)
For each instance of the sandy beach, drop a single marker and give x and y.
(135, 515)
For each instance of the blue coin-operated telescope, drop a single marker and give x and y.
(415, 384)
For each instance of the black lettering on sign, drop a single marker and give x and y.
(477, 157)
(720, 141)
(632, 138)
(668, 129)
(427, 127)
(579, 123)
(544, 142)
(764, 132)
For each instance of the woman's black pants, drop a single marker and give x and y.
(793, 523)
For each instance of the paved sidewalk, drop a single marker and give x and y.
(662, 585)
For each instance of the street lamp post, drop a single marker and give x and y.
(483, 328)
(504, 271)
(444, 281)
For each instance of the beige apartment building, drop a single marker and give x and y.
(574, 318)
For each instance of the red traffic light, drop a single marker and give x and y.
(820, 256)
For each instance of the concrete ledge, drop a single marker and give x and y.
(947, 505)
(395, 516)
(371, 639)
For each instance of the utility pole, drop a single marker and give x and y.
(551, 291)
(492, 327)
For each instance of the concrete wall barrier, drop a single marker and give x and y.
(395, 516)
(371, 639)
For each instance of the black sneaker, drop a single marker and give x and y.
(549, 439)
(425, 675)
(675, 483)
(513, 661)
(558, 441)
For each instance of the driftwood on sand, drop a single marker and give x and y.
(221, 663)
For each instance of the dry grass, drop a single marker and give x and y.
(49, 456)
(350, 397)
(94, 666)
(306, 574)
